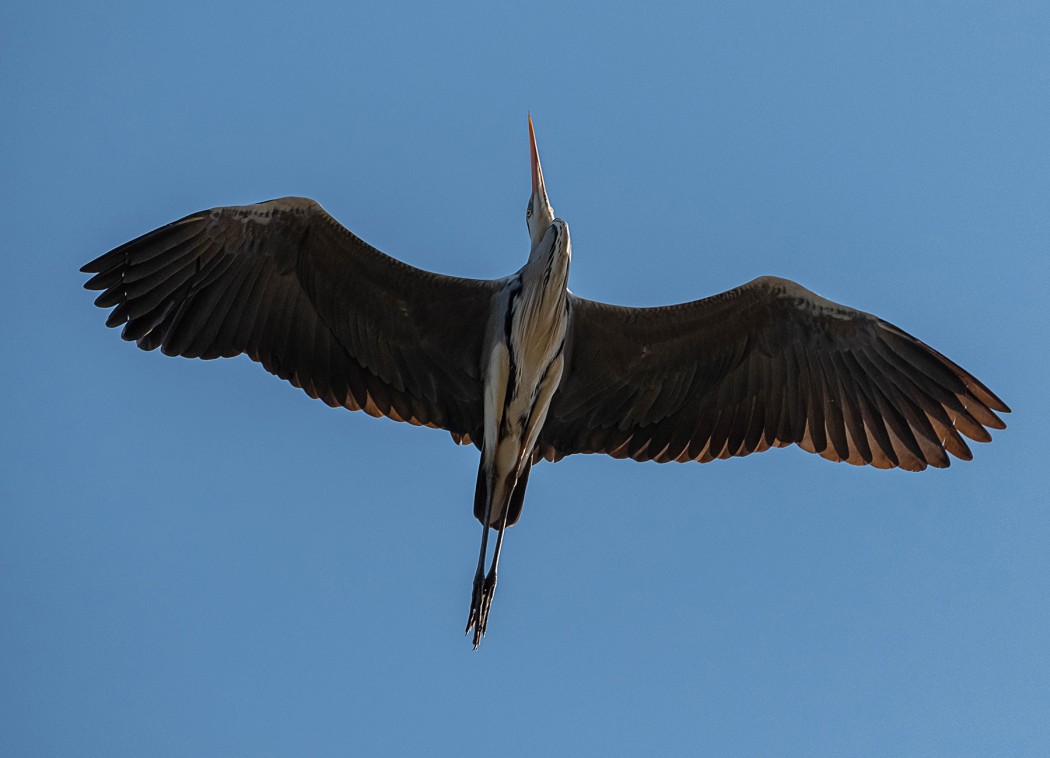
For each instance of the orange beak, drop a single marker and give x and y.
(537, 171)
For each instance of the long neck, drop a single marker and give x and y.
(546, 274)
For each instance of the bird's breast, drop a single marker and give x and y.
(524, 357)
(537, 333)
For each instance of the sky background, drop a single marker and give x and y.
(197, 559)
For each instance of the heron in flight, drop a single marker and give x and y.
(526, 370)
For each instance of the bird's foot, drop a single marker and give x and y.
(476, 593)
(480, 602)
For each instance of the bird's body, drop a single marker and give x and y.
(524, 363)
(526, 370)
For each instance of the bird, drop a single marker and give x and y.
(524, 369)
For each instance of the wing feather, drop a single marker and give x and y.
(765, 365)
(287, 285)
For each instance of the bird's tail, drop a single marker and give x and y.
(511, 496)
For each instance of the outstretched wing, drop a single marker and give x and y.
(284, 283)
(766, 364)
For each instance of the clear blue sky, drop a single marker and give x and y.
(197, 559)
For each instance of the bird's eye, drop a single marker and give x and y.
(528, 213)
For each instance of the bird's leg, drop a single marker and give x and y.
(476, 592)
(489, 585)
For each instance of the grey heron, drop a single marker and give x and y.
(526, 370)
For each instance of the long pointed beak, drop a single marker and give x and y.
(537, 171)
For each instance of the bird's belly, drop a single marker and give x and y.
(523, 371)
(535, 368)
(516, 434)
(525, 410)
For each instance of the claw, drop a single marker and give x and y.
(480, 602)
(476, 595)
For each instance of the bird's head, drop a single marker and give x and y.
(539, 214)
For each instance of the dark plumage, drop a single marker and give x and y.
(526, 370)
(766, 364)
